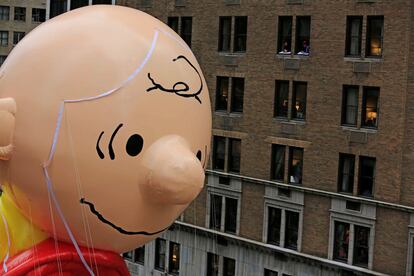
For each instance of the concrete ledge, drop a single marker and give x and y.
(180, 3)
(232, 2)
(362, 67)
(294, 2)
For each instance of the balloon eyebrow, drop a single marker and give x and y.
(110, 148)
(98, 149)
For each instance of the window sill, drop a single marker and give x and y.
(228, 114)
(231, 54)
(278, 55)
(363, 59)
(289, 121)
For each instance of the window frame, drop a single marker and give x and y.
(136, 260)
(157, 259)
(17, 37)
(368, 39)
(363, 158)
(228, 151)
(290, 164)
(280, 112)
(222, 35)
(351, 176)
(38, 16)
(187, 36)
(364, 108)
(239, 20)
(345, 106)
(20, 16)
(4, 36)
(349, 36)
(173, 23)
(225, 261)
(294, 111)
(223, 194)
(282, 37)
(4, 13)
(215, 269)
(235, 96)
(274, 162)
(299, 38)
(171, 247)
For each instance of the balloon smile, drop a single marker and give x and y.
(118, 228)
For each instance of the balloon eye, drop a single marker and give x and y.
(199, 155)
(134, 145)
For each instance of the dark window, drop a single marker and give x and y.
(281, 99)
(2, 59)
(303, 26)
(4, 38)
(223, 180)
(74, 4)
(212, 264)
(295, 165)
(19, 14)
(291, 230)
(160, 250)
(174, 259)
(349, 105)
(186, 29)
(237, 94)
(353, 35)
(173, 23)
(285, 35)
(366, 176)
(219, 151)
(375, 32)
(230, 223)
(128, 255)
(97, 2)
(224, 34)
(353, 205)
(370, 107)
(17, 36)
(4, 13)
(222, 93)
(346, 173)
(299, 100)
(234, 155)
(361, 246)
(278, 162)
(229, 267)
(341, 241)
(240, 33)
(273, 228)
(268, 272)
(58, 7)
(140, 255)
(215, 211)
(283, 192)
(38, 15)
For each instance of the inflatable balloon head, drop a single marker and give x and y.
(105, 127)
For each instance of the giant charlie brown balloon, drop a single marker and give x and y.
(105, 127)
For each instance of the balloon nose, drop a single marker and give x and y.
(174, 175)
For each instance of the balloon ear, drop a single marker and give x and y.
(7, 122)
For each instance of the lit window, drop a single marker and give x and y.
(298, 106)
(174, 259)
(353, 35)
(299, 100)
(346, 173)
(19, 14)
(4, 13)
(370, 107)
(375, 31)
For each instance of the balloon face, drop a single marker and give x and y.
(113, 113)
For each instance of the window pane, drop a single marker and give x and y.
(4, 38)
(224, 34)
(2, 59)
(57, 7)
(212, 264)
(4, 13)
(234, 155)
(361, 246)
(74, 4)
(375, 32)
(38, 15)
(215, 211)
(295, 165)
(350, 105)
(341, 241)
(366, 175)
(278, 162)
(186, 29)
(174, 259)
(229, 267)
(219, 151)
(128, 255)
(240, 33)
(95, 2)
(291, 230)
(222, 93)
(353, 36)
(237, 95)
(230, 223)
(160, 250)
(268, 272)
(173, 23)
(17, 36)
(282, 96)
(285, 35)
(273, 228)
(299, 100)
(303, 25)
(19, 14)
(140, 255)
(370, 107)
(346, 173)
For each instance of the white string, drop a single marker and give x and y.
(56, 136)
(6, 226)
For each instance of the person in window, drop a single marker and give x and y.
(305, 49)
(285, 49)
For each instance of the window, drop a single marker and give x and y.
(346, 173)
(160, 252)
(174, 259)
(222, 93)
(19, 14)
(38, 15)
(2, 59)
(17, 36)
(74, 4)
(139, 255)
(96, 2)
(229, 267)
(226, 147)
(4, 13)
(212, 264)
(278, 162)
(361, 247)
(226, 102)
(302, 35)
(219, 152)
(370, 107)
(295, 165)
(282, 98)
(186, 29)
(173, 23)
(4, 38)
(283, 228)
(353, 205)
(239, 36)
(298, 106)
(341, 243)
(268, 272)
(285, 35)
(350, 105)
(366, 176)
(57, 7)
(237, 94)
(353, 36)
(234, 155)
(223, 207)
(375, 30)
(128, 255)
(299, 100)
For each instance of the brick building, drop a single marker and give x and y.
(313, 139)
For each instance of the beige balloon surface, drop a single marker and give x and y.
(131, 150)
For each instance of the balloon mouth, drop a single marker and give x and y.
(118, 228)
